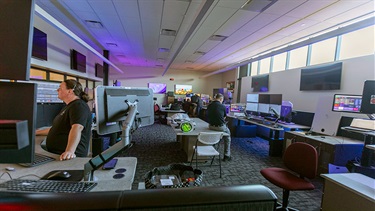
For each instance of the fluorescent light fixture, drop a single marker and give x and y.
(199, 53)
(163, 50)
(217, 37)
(94, 24)
(168, 32)
(257, 5)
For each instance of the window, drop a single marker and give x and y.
(279, 62)
(90, 84)
(357, 43)
(298, 57)
(265, 65)
(71, 77)
(254, 68)
(243, 71)
(323, 51)
(38, 74)
(56, 77)
(83, 82)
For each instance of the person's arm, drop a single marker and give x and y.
(73, 140)
(42, 132)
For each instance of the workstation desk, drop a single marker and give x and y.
(348, 191)
(272, 132)
(188, 139)
(170, 112)
(104, 178)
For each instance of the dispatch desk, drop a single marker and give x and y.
(188, 139)
(104, 177)
(270, 131)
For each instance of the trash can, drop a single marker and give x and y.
(173, 176)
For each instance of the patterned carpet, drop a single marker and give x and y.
(156, 145)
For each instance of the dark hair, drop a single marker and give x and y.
(77, 89)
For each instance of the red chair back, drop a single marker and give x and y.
(302, 158)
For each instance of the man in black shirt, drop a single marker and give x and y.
(70, 133)
(216, 118)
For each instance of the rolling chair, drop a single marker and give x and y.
(302, 160)
(209, 139)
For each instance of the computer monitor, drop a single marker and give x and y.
(368, 99)
(18, 102)
(119, 109)
(264, 108)
(112, 107)
(347, 103)
(253, 107)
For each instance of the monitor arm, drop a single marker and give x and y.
(112, 151)
(128, 123)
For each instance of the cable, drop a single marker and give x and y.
(10, 176)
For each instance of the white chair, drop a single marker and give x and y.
(209, 140)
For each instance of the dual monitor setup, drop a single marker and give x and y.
(118, 109)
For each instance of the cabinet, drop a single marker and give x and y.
(331, 149)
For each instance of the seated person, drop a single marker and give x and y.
(70, 133)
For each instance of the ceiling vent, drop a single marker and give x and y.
(257, 5)
(159, 65)
(188, 61)
(168, 32)
(199, 53)
(217, 37)
(94, 24)
(163, 50)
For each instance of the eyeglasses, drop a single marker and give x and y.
(74, 86)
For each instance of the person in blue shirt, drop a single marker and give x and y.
(216, 119)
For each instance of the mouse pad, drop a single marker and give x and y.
(76, 175)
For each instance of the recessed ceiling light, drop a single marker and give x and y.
(168, 32)
(217, 37)
(163, 49)
(94, 24)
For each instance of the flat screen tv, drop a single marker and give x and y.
(158, 88)
(99, 72)
(183, 89)
(39, 50)
(368, 98)
(259, 83)
(347, 103)
(77, 61)
(324, 77)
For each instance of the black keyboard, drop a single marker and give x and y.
(51, 186)
(38, 160)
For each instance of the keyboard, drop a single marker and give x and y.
(357, 129)
(51, 186)
(38, 160)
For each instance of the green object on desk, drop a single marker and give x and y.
(186, 127)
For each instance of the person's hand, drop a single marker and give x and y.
(67, 155)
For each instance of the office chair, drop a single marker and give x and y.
(302, 160)
(209, 139)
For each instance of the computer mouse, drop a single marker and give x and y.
(59, 175)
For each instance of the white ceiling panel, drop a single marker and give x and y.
(135, 26)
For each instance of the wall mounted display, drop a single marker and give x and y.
(230, 86)
(259, 83)
(99, 72)
(39, 50)
(183, 89)
(323, 77)
(77, 61)
(158, 88)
